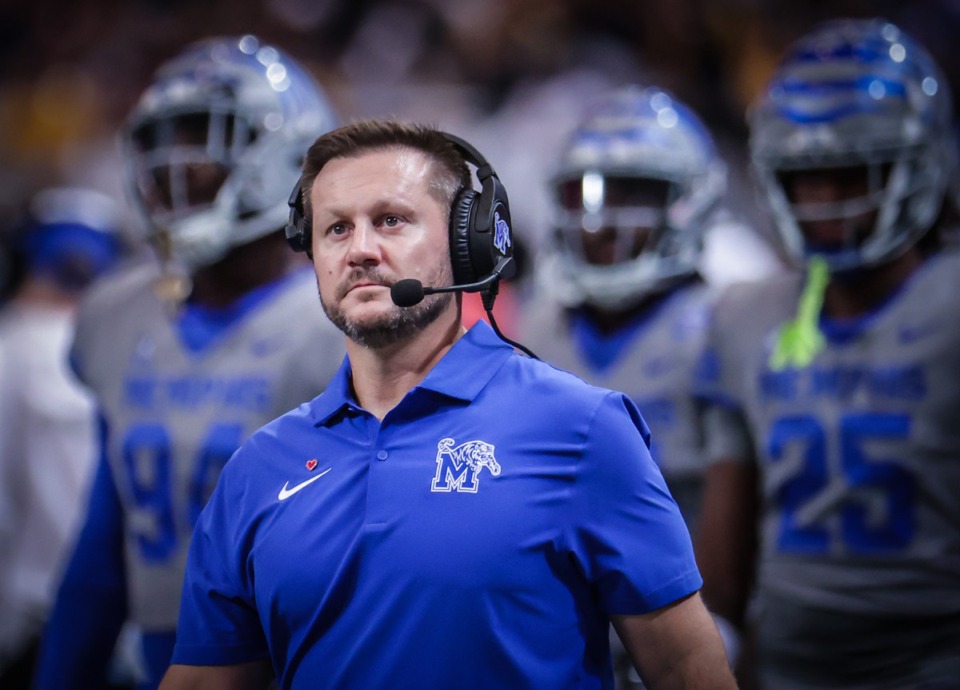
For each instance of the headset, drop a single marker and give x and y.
(481, 242)
(480, 231)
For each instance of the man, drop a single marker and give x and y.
(836, 393)
(448, 513)
(70, 238)
(189, 357)
(621, 300)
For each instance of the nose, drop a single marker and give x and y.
(364, 246)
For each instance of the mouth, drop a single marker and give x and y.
(358, 286)
(362, 280)
(361, 286)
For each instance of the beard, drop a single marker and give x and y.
(397, 325)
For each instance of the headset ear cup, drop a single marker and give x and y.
(297, 235)
(461, 227)
(297, 230)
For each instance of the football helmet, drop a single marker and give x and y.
(215, 144)
(855, 95)
(634, 186)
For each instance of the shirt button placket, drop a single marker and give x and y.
(380, 507)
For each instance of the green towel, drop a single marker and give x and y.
(800, 340)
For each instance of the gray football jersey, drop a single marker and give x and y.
(175, 415)
(654, 365)
(859, 452)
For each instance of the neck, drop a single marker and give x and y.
(854, 294)
(243, 270)
(612, 320)
(383, 376)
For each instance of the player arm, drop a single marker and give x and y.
(726, 544)
(254, 675)
(676, 647)
(91, 603)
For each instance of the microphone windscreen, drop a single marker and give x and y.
(407, 292)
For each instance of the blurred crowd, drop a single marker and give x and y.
(508, 75)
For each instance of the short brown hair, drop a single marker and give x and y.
(449, 170)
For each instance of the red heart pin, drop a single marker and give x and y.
(312, 464)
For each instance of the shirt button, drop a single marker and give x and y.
(382, 455)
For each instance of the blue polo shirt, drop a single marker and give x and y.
(477, 537)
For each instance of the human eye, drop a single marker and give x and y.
(337, 230)
(391, 220)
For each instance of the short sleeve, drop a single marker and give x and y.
(716, 377)
(219, 623)
(726, 435)
(626, 532)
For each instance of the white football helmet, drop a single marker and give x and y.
(214, 145)
(856, 95)
(641, 170)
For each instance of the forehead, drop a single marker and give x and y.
(397, 172)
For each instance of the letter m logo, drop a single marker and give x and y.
(458, 467)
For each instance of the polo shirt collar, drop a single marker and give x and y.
(460, 374)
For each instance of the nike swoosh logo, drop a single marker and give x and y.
(286, 493)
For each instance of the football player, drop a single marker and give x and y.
(621, 302)
(834, 389)
(189, 355)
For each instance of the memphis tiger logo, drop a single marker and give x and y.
(459, 467)
(501, 235)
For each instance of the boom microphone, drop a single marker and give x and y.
(407, 292)
(410, 291)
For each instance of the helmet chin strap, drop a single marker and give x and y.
(182, 247)
(174, 284)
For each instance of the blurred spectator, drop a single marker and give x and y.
(47, 420)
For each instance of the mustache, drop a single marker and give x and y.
(363, 275)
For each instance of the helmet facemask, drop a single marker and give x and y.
(615, 230)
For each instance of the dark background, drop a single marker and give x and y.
(509, 75)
